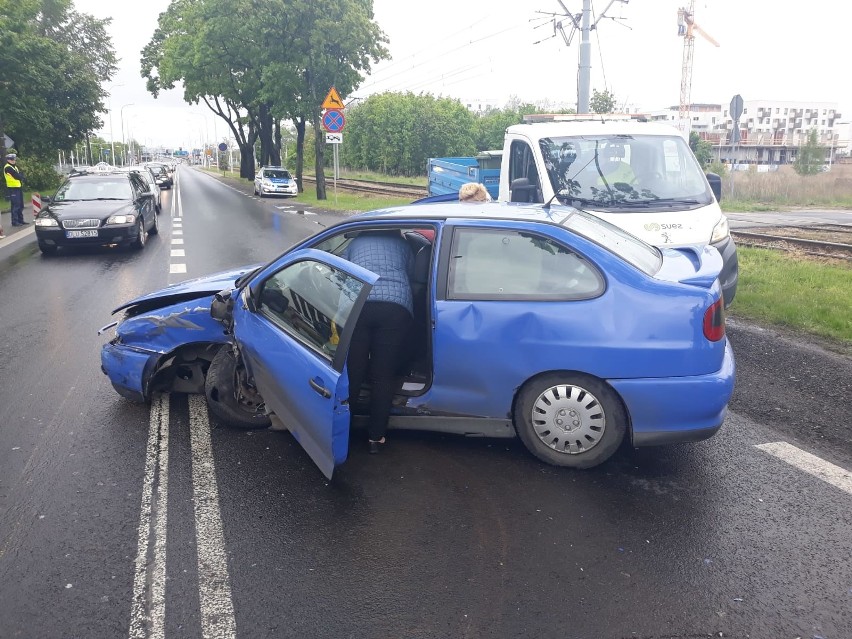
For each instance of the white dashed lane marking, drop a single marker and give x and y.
(147, 613)
(811, 464)
(177, 268)
(214, 586)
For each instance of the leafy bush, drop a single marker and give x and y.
(719, 168)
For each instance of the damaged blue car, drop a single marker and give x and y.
(538, 322)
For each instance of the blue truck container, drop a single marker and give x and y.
(447, 175)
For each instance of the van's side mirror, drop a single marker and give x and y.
(715, 185)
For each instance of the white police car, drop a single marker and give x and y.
(274, 180)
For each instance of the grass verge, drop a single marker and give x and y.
(794, 293)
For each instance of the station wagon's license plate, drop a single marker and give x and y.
(89, 233)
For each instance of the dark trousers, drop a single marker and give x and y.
(376, 344)
(16, 199)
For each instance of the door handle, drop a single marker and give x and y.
(322, 390)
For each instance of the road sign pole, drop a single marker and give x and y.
(336, 171)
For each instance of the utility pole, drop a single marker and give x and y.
(582, 22)
(585, 77)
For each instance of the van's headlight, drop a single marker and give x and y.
(121, 219)
(720, 231)
(46, 221)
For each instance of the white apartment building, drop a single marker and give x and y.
(770, 130)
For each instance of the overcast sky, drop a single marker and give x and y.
(495, 49)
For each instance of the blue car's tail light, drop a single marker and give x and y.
(714, 321)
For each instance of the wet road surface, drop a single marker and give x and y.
(439, 536)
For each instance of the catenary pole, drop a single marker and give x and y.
(585, 59)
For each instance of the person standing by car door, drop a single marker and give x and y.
(383, 325)
(14, 184)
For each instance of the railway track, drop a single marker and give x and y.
(824, 240)
(376, 188)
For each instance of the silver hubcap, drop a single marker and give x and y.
(568, 419)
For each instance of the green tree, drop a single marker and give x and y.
(54, 63)
(276, 62)
(811, 156)
(218, 59)
(396, 133)
(334, 45)
(490, 128)
(702, 149)
(602, 101)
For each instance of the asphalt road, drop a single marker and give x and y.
(124, 520)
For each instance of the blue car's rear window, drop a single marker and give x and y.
(630, 248)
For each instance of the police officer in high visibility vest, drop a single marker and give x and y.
(14, 184)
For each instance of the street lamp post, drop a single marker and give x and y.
(111, 137)
(123, 145)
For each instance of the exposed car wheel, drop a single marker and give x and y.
(260, 192)
(570, 420)
(47, 249)
(158, 208)
(155, 227)
(228, 397)
(139, 242)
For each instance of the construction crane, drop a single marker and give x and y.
(686, 28)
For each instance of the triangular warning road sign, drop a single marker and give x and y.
(332, 100)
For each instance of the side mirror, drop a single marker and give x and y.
(46, 199)
(715, 185)
(222, 307)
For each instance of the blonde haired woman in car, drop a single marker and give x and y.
(474, 192)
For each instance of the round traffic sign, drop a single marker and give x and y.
(333, 120)
(223, 147)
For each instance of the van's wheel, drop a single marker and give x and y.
(228, 396)
(570, 420)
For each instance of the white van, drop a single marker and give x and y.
(640, 176)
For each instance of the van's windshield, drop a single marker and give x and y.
(625, 172)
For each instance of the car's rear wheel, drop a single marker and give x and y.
(570, 420)
(142, 234)
(229, 397)
(47, 249)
